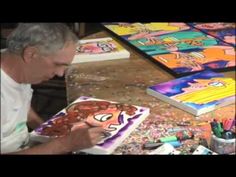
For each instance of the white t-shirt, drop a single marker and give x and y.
(15, 105)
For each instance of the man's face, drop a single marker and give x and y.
(46, 67)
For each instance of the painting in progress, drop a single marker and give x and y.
(119, 120)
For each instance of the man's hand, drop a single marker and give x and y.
(82, 137)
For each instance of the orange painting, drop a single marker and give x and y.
(211, 57)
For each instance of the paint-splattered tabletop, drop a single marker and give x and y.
(125, 81)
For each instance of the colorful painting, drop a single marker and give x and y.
(119, 120)
(178, 41)
(182, 48)
(198, 93)
(99, 49)
(213, 57)
(98, 46)
(132, 31)
(223, 31)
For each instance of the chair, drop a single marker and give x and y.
(49, 97)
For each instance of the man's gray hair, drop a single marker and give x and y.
(48, 37)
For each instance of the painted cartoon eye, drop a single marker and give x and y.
(102, 117)
(216, 84)
(106, 49)
(101, 44)
(79, 48)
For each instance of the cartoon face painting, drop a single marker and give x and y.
(183, 40)
(123, 29)
(157, 29)
(214, 26)
(223, 31)
(101, 112)
(211, 57)
(107, 114)
(117, 119)
(215, 89)
(96, 47)
(144, 30)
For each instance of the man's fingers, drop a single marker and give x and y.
(79, 125)
(98, 130)
(93, 124)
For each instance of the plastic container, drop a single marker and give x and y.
(223, 146)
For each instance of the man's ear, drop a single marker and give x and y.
(30, 53)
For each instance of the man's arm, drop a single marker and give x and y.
(33, 120)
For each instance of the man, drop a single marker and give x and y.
(36, 53)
